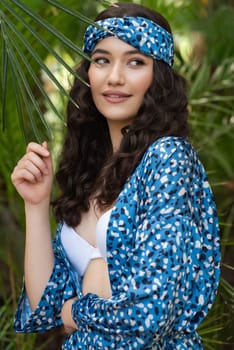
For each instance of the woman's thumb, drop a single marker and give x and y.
(47, 160)
(45, 145)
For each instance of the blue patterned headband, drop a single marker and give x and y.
(139, 32)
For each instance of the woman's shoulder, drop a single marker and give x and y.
(169, 147)
(170, 144)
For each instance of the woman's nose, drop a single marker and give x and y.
(116, 75)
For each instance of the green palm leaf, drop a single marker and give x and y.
(4, 80)
(47, 26)
(20, 39)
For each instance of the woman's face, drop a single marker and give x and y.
(119, 79)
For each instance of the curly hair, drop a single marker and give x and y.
(88, 167)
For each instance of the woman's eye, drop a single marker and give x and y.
(136, 62)
(100, 60)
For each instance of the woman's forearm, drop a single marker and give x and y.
(39, 258)
(96, 279)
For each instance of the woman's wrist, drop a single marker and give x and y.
(66, 315)
(41, 208)
(44, 204)
(38, 218)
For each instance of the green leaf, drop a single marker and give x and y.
(229, 291)
(71, 12)
(63, 39)
(200, 81)
(18, 105)
(4, 81)
(17, 74)
(35, 78)
(46, 45)
(23, 77)
(37, 57)
(27, 87)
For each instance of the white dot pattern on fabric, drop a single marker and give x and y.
(163, 255)
(139, 32)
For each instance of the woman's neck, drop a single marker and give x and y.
(115, 134)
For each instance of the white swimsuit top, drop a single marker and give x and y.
(78, 250)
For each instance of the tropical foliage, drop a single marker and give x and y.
(40, 46)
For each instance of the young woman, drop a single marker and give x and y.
(135, 261)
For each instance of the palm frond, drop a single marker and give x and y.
(48, 27)
(72, 12)
(19, 28)
(20, 75)
(43, 42)
(18, 103)
(4, 80)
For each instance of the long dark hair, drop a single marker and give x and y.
(88, 166)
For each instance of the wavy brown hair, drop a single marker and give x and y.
(88, 166)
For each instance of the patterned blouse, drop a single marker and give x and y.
(163, 254)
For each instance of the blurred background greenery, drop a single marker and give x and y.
(39, 46)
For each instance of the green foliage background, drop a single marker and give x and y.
(40, 45)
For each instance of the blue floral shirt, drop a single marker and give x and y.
(163, 255)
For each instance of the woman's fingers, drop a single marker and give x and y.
(33, 165)
(36, 169)
(33, 161)
(27, 172)
(33, 174)
(41, 150)
(21, 175)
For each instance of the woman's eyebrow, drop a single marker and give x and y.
(100, 51)
(106, 52)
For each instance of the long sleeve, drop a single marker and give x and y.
(170, 276)
(60, 287)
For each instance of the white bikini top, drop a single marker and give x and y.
(78, 250)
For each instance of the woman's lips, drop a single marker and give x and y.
(115, 96)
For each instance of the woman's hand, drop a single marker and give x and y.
(66, 314)
(33, 175)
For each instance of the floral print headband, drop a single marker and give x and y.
(143, 34)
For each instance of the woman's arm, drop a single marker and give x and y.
(32, 178)
(39, 259)
(96, 281)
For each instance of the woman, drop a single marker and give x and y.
(135, 261)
